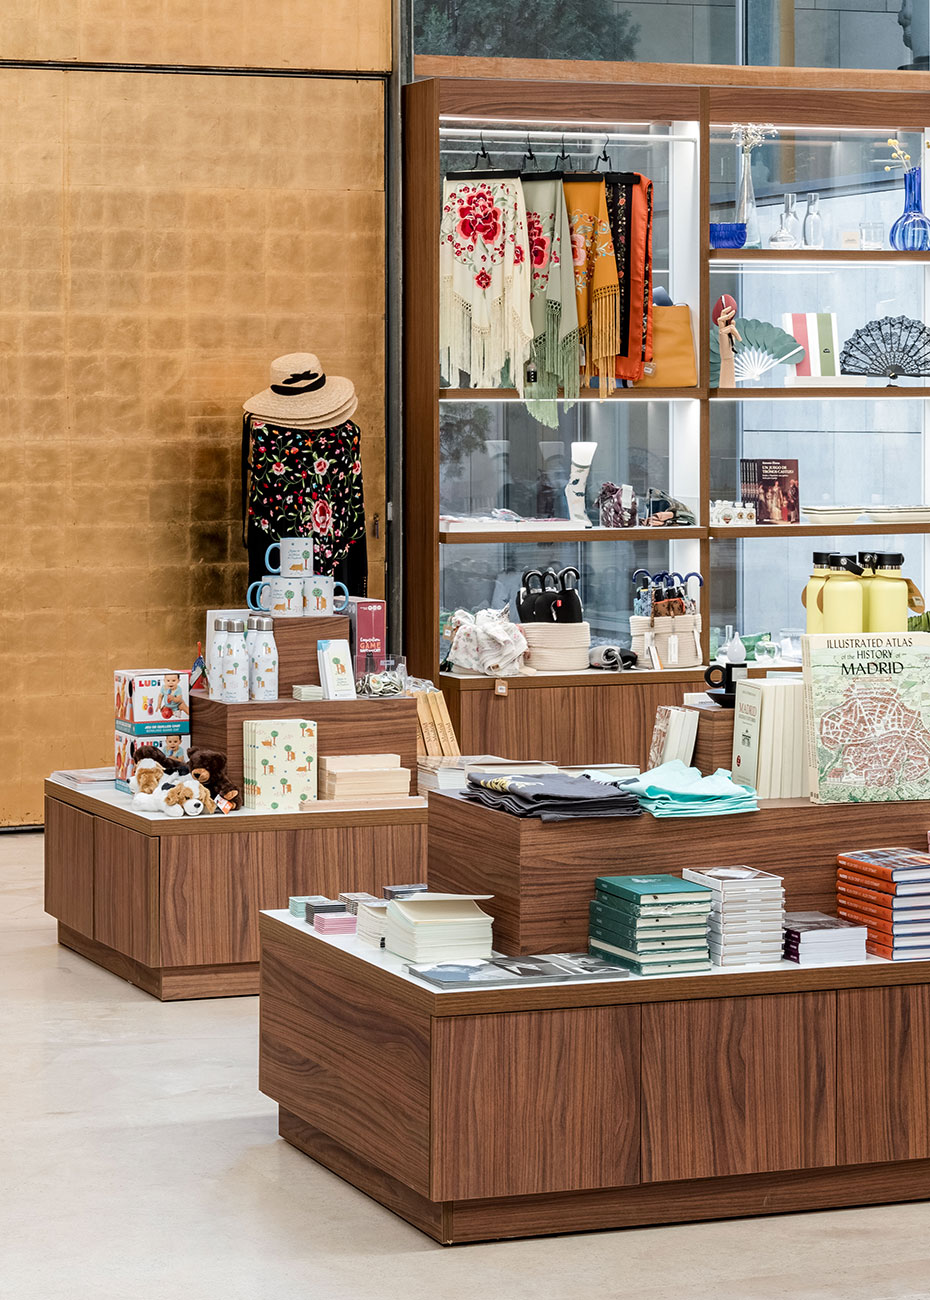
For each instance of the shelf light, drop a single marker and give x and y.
(644, 396)
(808, 265)
(595, 134)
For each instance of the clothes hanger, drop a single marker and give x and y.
(475, 173)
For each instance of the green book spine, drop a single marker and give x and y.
(639, 942)
(633, 918)
(636, 889)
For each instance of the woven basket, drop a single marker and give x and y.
(557, 647)
(683, 627)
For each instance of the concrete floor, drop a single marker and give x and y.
(139, 1162)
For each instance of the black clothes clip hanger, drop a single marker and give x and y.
(564, 158)
(475, 172)
(603, 157)
(529, 156)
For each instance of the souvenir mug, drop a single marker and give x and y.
(295, 555)
(285, 598)
(320, 596)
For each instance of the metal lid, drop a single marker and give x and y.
(887, 559)
(821, 559)
(236, 625)
(221, 625)
(253, 622)
(263, 624)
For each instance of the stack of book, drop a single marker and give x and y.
(359, 778)
(279, 764)
(334, 923)
(297, 905)
(451, 773)
(306, 693)
(438, 927)
(371, 921)
(352, 900)
(746, 916)
(887, 891)
(768, 737)
(652, 925)
(673, 735)
(404, 891)
(815, 939)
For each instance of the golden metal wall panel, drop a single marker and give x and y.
(162, 237)
(346, 35)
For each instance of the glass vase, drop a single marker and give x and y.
(911, 232)
(746, 203)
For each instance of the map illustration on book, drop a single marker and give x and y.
(867, 710)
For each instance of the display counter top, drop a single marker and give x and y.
(115, 805)
(379, 967)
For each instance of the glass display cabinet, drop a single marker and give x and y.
(824, 257)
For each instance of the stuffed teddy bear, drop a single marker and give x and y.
(209, 768)
(185, 797)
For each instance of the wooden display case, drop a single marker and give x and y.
(477, 1115)
(680, 104)
(172, 905)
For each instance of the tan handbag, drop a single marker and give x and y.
(673, 364)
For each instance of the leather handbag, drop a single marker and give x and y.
(673, 364)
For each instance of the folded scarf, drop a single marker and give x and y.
(484, 321)
(553, 307)
(597, 288)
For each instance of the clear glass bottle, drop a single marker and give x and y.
(792, 221)
(813, 223)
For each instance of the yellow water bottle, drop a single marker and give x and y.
(841, 596)
(888, 594)
(819, 575)
(867, 563)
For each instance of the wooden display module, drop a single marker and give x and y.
(172, 906)
(542, 874)
(343, 726)
(519, 1112)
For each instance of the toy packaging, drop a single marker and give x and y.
(368, 631)
(150, 702)
(174, 744)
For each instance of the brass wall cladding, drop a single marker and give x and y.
(349, 35)
(162, 237)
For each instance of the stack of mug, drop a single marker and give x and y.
(293, 590)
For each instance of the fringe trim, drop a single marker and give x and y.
(606, 335)
(482, 351)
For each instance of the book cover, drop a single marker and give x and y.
(653, 889)
(729, 880)
(747, 730)
(888, 864)
(660, 732)
(802, 925)
(875, 898)
(816, 331)
(772, 487)
(630, 920)
(644, 943)
(336, 673)
(875, 949)
(899, 888)
(868, 706)
(661, 967)
(880, 926)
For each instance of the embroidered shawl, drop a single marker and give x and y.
(485, 322)
(553, 305)
(597, 290)
(629, 208)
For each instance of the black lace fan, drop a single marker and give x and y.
(892, 346)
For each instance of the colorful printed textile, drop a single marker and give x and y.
(597, 289)
(485, 323)
(553, 305)
(629, 208)
(303, 482)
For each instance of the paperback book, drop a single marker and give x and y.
(772, 487)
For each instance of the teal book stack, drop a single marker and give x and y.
(652, 925)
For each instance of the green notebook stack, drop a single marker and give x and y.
(652, 925)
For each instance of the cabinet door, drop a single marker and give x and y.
(126, 891)
(330, 859)
(883, 1041)
(535, 1101)
(213, 887)
(738, 1085)
(69, 866)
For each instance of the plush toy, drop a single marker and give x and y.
(186, 797)
(172, 767)
(209, 768)
(148, 774)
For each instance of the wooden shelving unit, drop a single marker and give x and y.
(495, 92)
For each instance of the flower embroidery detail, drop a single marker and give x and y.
(578, 248)
(277, 467)
(539, 242)
(322, 517)
(479, 216)
(321, 465)
(518, 254)
(483, 280)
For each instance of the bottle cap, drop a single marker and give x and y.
(264, 624)
(254, 622)
(821, 559)
(887, 559)
(236, 625)
(847, 564)
(221, 625)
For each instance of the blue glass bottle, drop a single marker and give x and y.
(911, 232)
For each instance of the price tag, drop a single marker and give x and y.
(673, 648)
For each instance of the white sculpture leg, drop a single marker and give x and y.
(582, 456)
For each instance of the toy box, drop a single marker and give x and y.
(126, 746)
(152, 702)
(368, 635)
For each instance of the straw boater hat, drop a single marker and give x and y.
(302, 396)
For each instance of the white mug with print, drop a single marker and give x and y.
(284, 598)
(320, 595)
(296, 557)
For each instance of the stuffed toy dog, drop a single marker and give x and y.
(147, 776)
(209, 768)
(186, 797)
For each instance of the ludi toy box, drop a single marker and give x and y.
(151, 702)
(126, 746)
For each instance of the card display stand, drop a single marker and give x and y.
(486, 1114)
(172, 906)
(343, 726)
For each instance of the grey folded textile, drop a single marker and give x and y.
(551, 798)
(611, 656)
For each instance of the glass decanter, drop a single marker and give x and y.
(813, 223)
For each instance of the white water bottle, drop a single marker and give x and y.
(236, 665)
(263, 662)
(216, 660)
